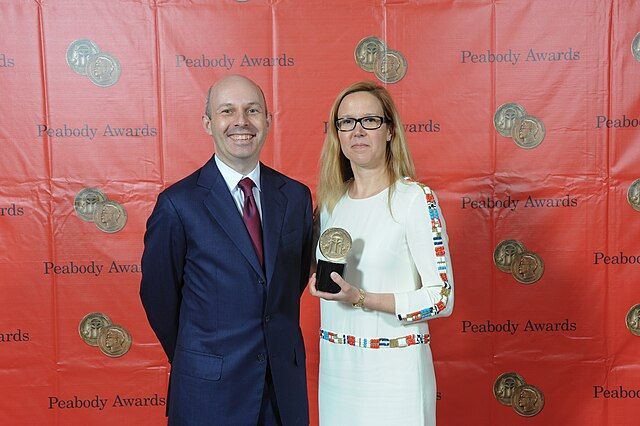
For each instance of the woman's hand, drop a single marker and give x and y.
(347, 294)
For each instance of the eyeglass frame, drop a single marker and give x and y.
(359, 120)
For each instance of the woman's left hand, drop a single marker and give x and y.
(347, 294)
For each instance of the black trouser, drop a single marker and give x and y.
(269, 413)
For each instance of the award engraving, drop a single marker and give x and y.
(86, 201)
(390, 66)
(527, 267)
(103, 70)
(528, 132)
(114, 340)
(505, 252)
(78, 54)
(110, 217)
(505, 386)
(335, 244)
(505, 117)
(367, 50)
(90, 326)
(633, 320)
(635, 47)
(633, 195)
(527, 400)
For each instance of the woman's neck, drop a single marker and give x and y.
(368, 182)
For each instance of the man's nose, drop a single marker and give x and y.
(241, 119)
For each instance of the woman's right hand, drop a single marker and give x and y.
(347, 294)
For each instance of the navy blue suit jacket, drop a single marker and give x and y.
(219, 317)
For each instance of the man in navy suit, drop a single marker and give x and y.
(226, 258)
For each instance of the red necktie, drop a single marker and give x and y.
(251, 217)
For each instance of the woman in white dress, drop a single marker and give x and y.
(375, 360)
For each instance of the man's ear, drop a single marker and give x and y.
(206, 123)
(269, 119)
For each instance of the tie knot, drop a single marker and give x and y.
(246, 185)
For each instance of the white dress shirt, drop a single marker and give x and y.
(231, 177)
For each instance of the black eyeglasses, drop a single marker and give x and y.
(368, 122)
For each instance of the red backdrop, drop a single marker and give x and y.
(43, 361)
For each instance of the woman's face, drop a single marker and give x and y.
(364, 148)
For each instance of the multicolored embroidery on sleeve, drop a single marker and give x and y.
(441, 261)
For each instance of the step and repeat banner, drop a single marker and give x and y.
(523, 116)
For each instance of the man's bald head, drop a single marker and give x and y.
(236, 118)
(224, 83)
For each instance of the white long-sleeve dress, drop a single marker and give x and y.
(375, 367)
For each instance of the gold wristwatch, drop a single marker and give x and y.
(360, 302)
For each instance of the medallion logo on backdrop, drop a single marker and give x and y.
(85, 58)
(6, 61)
(373, 55)
(228, 62)
(92, 205)
(514, 57)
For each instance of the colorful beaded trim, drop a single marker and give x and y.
(441, 260)
(377, 343)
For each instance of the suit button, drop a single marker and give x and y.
(267, 318)
(261, 357)
(260, 281)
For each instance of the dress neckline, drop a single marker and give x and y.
(366, 198)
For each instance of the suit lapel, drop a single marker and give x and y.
(223, 210)
(274, 205)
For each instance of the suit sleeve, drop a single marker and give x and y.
(428, 245)
(162, 272)
(307, 241)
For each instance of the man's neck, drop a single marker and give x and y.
(244, 168)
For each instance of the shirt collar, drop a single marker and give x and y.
(232, 177)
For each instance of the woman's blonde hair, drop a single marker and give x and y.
(335, 168)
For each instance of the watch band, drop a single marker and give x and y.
(360, 302)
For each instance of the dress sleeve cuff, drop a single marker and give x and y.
(402, 304)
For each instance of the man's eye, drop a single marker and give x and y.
(254, 111)
(225, 111)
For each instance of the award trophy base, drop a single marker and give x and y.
(323, 276)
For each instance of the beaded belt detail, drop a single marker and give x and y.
(376, 343)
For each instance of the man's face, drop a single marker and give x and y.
(112, 339)
(527, 267)
(527, 130)
(102, 69)
(390, 65)
(109, 215)
(527, 401)
(239, 122)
